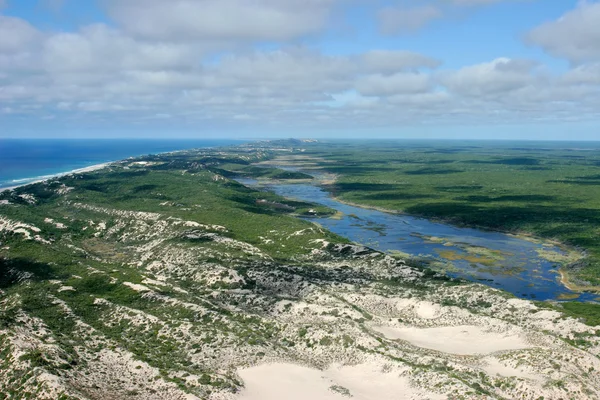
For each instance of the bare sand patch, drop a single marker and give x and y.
(494, 367)
(427, 310)
(361, 382)
(463, 340)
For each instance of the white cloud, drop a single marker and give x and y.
(295, 67)
(587, 74)
(389, 61)
(15, 34)
(399, 20)
(491, 78)
(98, 47)
(381, 85)
(430, 100)
(575, 36)
(221, 19)
(106, 75)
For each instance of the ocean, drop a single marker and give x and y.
(24, 161)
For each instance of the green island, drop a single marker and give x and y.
(162, 277)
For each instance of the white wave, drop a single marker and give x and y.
(26, 181)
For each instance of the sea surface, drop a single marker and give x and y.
(24, 161)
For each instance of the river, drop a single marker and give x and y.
(495, 259)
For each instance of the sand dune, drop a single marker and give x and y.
(361, 382)
(495, 367)
(463, 340)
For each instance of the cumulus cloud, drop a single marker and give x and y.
(294, 67)
(586, 74)
(15, 34)
(399, 20)
(394, 61)
(575, 36)
(491, 78)
(381, 85)
(104, 75)
(98, 47)
(221, 19)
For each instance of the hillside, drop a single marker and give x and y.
(161, 278)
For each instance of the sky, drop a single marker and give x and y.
(475, 69)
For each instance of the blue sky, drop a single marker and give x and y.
(486, 69)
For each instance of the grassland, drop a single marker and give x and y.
(549, 190)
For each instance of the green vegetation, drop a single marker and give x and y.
(263, 172)
(82, 242)
(35, 357)
(589, 313)
(161, 273)
(542, 189)
(187, 190)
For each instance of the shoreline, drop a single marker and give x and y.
(566, 280)
(102, 165)
(95, 167)
(564, 276)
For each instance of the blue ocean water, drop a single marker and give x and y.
(27, 160)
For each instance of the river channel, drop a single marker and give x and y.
(495, 259)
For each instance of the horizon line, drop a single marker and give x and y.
(252, 139)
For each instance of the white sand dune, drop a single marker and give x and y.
(495, 367)
(293, 382)
(462, 340)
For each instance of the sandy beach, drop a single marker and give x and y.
(48, 177)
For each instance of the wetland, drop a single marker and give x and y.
(526, 268)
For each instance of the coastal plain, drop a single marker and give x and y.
(163, 277)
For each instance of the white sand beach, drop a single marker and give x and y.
(48, 177)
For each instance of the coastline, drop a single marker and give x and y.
(91, 168)
(564, 277)
(111, 159)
